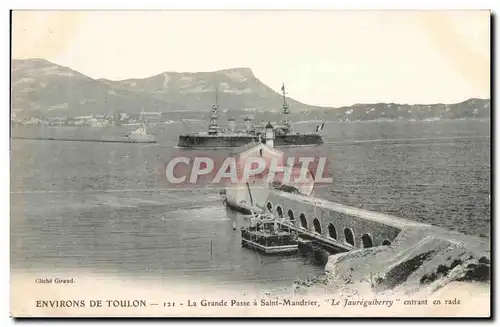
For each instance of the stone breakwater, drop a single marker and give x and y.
(419, 258)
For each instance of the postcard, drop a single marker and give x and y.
(252, 163)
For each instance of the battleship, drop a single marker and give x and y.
(230, 137)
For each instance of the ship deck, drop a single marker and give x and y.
(204, 134)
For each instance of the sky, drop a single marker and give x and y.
(326, 58)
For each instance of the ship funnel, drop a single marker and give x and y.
(232, 125)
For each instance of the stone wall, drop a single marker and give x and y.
(330, 223)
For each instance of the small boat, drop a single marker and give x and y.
(141, 135)
(265, 234)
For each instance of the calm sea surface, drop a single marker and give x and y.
(106, 207)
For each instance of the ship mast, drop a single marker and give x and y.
(213, 128)
(285, 111)
(217, 96)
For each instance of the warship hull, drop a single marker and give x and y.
(234, 141)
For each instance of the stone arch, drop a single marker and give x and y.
(386, 242)
(317, 225)
(269, 206)
(349, 236)
(332, 232)
(367, 241)
(290, 215)
(279, 210)
(303, 221)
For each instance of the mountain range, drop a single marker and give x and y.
(43, 89)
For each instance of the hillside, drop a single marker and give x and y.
(471, 108)
(43, 89)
